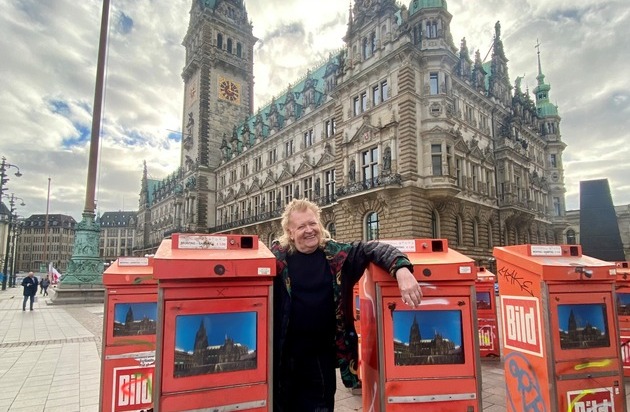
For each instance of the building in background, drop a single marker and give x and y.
(572, 232)
(400, 134)
(118, 231)
(36, 248)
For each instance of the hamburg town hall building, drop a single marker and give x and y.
(400, 134)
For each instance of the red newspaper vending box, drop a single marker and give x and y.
(214, 346)
(623, 312)
(487, 315)
(560, 332)
(357, 326)
(129, 331)
(425, 358)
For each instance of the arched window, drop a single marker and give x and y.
(459, 235)
(239, 50)
(219, 41)
(435, 225)
(229, 45)
(330, 227)
(571, 239)
(371, 226)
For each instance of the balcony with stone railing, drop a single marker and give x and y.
(369, 184)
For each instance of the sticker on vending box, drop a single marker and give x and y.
(600, 400)
(522, 329)
(133, 388)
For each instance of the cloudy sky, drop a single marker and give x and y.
(48, 58)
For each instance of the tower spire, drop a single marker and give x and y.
(543, 105)
(541, 76)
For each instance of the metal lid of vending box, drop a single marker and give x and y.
(560, 262)
(623, 271)
(130, 271)
(432, 259)
(485, 276)
(203, 256)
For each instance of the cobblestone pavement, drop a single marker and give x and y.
(50, 360)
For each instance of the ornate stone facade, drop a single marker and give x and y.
(398, 135)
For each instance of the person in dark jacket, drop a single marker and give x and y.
(30, 289)
(313, 318)
(45, 283)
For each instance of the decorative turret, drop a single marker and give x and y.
(479, 74)
(544, 106)
(499, 82)
(464, 64)
(430, 21)
(417, 5)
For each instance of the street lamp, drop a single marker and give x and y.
(4, 166)
(12, 200)
(17, 231)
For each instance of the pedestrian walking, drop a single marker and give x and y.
(30, 289)
(45, 283)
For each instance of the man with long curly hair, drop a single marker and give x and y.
(313, 325)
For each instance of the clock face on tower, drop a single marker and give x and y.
(229, 90)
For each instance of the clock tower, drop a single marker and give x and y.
(219, 90)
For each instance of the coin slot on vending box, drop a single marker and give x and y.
(247, 242)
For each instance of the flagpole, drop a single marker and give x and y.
(82, 281)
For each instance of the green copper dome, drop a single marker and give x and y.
(417, 5)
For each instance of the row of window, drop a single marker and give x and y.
(42, 239)
(117, 232)
(115, 242)
(379, 94)
(31, 257)
(441, 87)
(308, 140)
(25, 247)
(229, 45)
(441, 164)
(275, 199)
(431, 30)
(278, 198)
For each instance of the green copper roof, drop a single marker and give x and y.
(543, 106)
(315, 78)
(417, 5)
(547, 109)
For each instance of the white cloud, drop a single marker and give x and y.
(47, 76)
